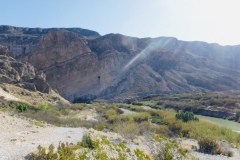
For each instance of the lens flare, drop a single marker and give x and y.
(157, 44)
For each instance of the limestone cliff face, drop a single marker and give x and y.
(20, 74)
(22, 40)
(71, 67)
(61, 46)
(115, 66)
(121, 67)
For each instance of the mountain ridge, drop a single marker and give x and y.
(119, 67)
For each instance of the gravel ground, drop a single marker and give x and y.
(203, 156)
(19, 136)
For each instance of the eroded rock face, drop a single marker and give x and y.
(61, 46)
(6, 52)
(119, 67)
(22, 40)
(21, 74)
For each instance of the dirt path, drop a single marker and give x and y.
(19, 136)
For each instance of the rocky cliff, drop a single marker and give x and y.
(20, 81)
(22, 40)
(115, 66)
(21, 74)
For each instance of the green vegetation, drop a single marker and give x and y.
(170, 150)
(13, 105)
(64, 152)
(42, 106)
(186, 116)
(141, 121)
(141, 155)
(87, 141)
(100, 149)
(131, 125)
(228, 101)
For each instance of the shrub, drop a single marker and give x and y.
(22, 107)
(87, 141)
(111, 112)
(42, 106)
(66, 151)
(19, 106)
(140, 117)
(168, 149)
(141, 155)
(230, 154)
(66, 111)
(157, 120)
(99, 127)
(43, 154)
(136, 117)
(128, 129)
(210, 146)
(186, 116)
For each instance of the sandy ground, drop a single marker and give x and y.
(8, 96)
(19, 136)
(126, 112)
(202, 156)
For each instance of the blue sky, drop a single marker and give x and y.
(214, 21)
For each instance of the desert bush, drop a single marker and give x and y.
(136, 117)
(141, 155)
(205, 128)
(229, 154)
(99, 127)
(141, 117)
(156, 120)
(22, 107)
(64, 151)
(43, 154)
(111, 112)
(87, 141)
(168, 149)
(42, 106)
(128, 129)
(210, 146)
(186, 116)
(65, 111)
(18, 106)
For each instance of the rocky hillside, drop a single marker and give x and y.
(21, 82)
(21, 74)
(84, 66)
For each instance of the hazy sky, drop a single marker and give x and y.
(215, 21)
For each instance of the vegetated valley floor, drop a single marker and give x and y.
(128, 124)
